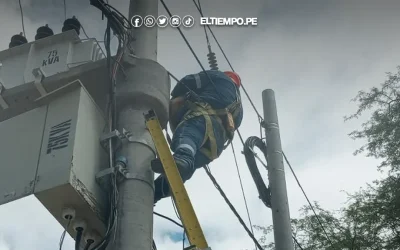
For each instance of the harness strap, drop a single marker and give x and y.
(203, 109)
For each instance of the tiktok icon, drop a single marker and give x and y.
(187, 21)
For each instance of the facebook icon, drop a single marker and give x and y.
(136, 21)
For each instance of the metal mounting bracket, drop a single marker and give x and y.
(104, 139)
(103, 177)
(120, 171)
(39, 76)
(3, 102)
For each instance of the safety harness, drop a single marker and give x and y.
(225, 117)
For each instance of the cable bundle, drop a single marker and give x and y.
(120, 26)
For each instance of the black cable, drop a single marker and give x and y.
(183, 239)
(263, 191)
(207, 171)
(65, 10)
(69, 219)
(305, 195)
(205, 30)
(79, 232)
(190, 46)
(88, 244)
(227, 60)
(22, 17)
(297, 243)
(241, 186)
(218, 187)
(167, 218)
(154, 245)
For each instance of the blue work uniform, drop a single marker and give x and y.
(188, 138)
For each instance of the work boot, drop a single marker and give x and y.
(156, 166)
(183, 166)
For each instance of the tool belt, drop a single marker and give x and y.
(223, 116)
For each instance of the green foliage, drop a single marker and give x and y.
(370, 221)
(371, 218)
(382, 130)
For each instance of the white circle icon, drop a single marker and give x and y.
(187, 21)
(162, 21)
(136, 21)
(175, 21)
(149, 21)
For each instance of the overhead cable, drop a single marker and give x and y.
(227, 60)
(22, 17)
(218, 187)
(309, 202)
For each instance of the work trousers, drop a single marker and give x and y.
(186, 144)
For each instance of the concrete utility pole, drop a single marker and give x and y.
(144, 85)
(276, 175)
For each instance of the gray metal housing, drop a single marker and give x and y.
(61, 154)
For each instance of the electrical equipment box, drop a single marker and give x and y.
(33, 70)
(54, 151)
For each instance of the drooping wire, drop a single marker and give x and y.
(241, 186)
(65, 10)
(154, 245)
(297, 242)
(305, 195)
(218, 187)
(167, 218)
(69, 219)
(227, 60)
(117, 23)
(22, 17)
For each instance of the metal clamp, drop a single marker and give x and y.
(119, 171)
(3, 102)
(39, 76)
(104, 139)
(127, 135)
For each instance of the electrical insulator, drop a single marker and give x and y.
(43, 32)
(72, 24)
(17, 40)
(212, 61)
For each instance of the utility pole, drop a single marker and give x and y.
(143, 85)
(276, 175)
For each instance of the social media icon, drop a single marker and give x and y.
(187, 21)
(149, 21)
(175, 21)
(162, 21)
(136, 21)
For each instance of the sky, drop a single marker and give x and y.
(316, 55)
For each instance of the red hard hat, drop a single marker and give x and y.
(235, 78)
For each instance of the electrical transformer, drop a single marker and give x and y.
(53, 100)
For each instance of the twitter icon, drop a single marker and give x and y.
(162, 21)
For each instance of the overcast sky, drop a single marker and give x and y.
(314, 54)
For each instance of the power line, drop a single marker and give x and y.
(65, 10)
(297, 243)
(241, 186)
(243, 193)
(305, 195)
(198, 6)
(227, 60)
(167, 218)
(209, 173)
(22, 17)
(218, 187)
